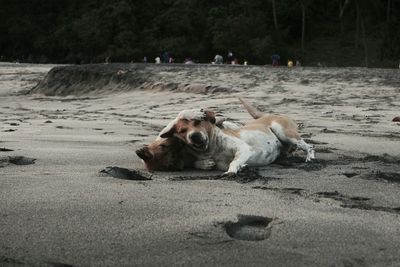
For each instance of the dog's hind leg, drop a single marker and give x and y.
(307, 148)
(290, 136)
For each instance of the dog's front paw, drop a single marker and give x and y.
(310, 155)
(206, 164)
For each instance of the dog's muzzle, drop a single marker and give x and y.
(199, 141)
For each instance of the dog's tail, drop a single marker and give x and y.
(252, 110)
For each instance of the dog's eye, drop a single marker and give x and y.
(183, 130)
(196, 122)
(163, 146)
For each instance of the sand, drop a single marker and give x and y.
(59, 129)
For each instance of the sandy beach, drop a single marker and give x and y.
(61, 125)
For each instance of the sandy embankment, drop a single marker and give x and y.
(343, 209)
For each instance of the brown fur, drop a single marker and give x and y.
(232, 132)
(289, 126)
(166, 154)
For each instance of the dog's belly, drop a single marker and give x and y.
(265, 147)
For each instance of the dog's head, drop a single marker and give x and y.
(164, 154)
(194, 132)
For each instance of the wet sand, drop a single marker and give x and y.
(56, 206)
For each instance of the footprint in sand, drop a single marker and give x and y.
(249, 228)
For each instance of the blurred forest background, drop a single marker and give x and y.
(335, 33)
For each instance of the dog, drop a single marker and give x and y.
(166, 154)
(258, 143)
(172, 154)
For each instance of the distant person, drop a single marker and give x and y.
(144, 59)
(229, 57)
(218, 59)
(290, 63)
(107, 60)
(298, 64)
(275, 60)
(245, 62)
(158, 60)
(235, 61)
(165, 57)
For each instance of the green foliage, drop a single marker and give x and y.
(74, 31)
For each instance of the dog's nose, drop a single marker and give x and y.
(197, 138)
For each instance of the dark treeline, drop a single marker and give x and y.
(336, 33)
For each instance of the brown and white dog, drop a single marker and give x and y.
(172, 154)
(257, 143)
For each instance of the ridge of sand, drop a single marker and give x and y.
(98, 79)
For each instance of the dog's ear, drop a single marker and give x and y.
(144, 153)
(210, 116)
(169, 133)
(169, 130)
